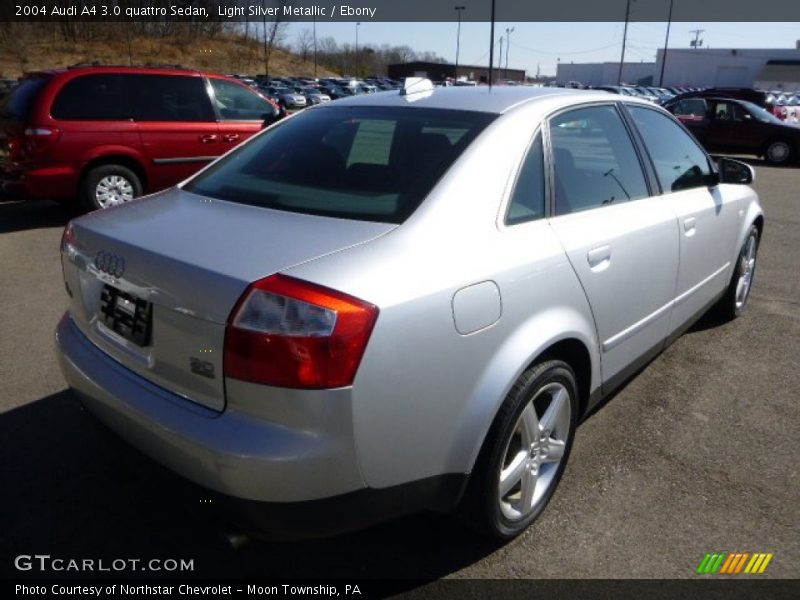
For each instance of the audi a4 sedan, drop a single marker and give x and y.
(402, 301)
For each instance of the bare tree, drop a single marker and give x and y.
(304, 44)
(274, 32)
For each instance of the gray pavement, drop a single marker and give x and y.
(698, 453)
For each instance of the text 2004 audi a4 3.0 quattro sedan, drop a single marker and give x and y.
(403, 301)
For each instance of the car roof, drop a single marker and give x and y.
(495, 99)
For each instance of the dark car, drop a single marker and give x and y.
(727, 125)
(108, 134)
(757, 97)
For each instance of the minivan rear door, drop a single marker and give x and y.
(177, 125)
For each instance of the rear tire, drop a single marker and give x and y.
(109, 185)
(525, 452)
(733, 303)
(779, 152)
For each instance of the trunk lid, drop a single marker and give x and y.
(185, 260)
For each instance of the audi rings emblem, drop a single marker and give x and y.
(110, 263)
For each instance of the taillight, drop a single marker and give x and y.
(38, 139)
(67, 237)
(291, 333)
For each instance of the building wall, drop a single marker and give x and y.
(606, 73)
(723, 67)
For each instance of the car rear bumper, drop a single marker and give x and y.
(263, 475)
(296, 450)
(45, 182)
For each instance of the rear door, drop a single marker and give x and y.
(240, 110)
(177, 125)
(708, 217)
(622, 243)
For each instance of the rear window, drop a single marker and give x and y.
(18, 104)
(365, 163)
(93, 98)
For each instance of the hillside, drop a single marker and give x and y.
(224, 54)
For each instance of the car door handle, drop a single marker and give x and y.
(599, 257)
(208, 138)
(689, 225)
(230, 137)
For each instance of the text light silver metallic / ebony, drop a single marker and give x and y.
(400, 302)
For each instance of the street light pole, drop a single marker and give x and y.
(491, 48)
(666, 45)
(508, 45)
(458, 37)
(315, 47)
(357, 26)
(624, 39)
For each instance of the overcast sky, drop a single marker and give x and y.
(543, 44)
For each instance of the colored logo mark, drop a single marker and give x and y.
(733, 563)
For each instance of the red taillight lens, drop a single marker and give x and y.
(38, 139)
(67, 237)
(291, 333)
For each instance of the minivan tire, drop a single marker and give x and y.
(121, 182)
(484, 507)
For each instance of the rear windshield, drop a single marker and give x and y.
(364, 163)
(17, 105)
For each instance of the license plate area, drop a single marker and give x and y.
(126, 315)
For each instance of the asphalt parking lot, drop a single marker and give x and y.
(698, 453)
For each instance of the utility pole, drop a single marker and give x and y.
(491, 48)
(624, 40)
(666, 45)
(696, 42)
(508, 45)
(458, 36)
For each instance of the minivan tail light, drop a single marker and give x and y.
(38, 139)
(291, 333)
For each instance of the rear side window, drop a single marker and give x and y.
(680, 163)
(691, 107)
(93, 98)
(18, 103)
(595, 163)
(237, 103)
(170, 98)
(527, 200)
(366, 163)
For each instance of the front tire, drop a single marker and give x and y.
(109, 185)
(525, 452)
(733, 303)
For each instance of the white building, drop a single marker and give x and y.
(701, 67)
(720, 67)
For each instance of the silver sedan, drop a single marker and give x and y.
(402, 301)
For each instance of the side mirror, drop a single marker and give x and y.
(735, 171)
(270, 117)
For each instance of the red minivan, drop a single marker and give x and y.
(104, 135)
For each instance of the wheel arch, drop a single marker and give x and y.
(562, 334)
(116, 158)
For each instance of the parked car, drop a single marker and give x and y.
(313, 94)
(757, 97)
(377, 334)
(736, 126)
(615, 89)
(105, 135)
(286, 97)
